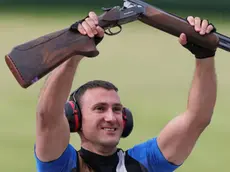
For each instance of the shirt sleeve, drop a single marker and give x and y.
(149, 155)
(65, 163)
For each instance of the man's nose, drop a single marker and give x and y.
(109, 116)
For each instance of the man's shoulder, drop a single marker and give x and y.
(67, 161)
(149, 155)
(150, 143)
(143, 149)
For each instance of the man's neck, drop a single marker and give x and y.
(98, 149)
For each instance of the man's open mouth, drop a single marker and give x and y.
(109, 129)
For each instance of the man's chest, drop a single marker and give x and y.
(124, 163)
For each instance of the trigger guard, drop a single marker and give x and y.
(110, 33)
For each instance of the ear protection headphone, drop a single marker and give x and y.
(74, 117)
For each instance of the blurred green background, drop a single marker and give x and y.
(151, 69)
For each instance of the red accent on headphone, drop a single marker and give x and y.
(75, 116)
(76, 120)
(124, 119)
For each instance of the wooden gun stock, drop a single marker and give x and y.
(32, 60)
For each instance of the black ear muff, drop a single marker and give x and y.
(128, 122)
(73, 115)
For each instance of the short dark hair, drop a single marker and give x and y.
(77, 94)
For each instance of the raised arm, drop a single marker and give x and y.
(179, 137)
(52, 128)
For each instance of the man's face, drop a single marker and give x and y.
(102, 121)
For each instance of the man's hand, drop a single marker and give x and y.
(89, 26)
(202, 27)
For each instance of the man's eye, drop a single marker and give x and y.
(117, 109)
(100, 108)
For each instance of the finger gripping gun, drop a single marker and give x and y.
(32, 60)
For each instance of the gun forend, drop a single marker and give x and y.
(173, 25)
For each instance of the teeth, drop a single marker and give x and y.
(109, 129)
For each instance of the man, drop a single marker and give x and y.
(102, 118)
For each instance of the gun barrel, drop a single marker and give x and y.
(224, 42)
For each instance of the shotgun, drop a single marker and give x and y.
(32, 60)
